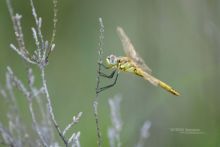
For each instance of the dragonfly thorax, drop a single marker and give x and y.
(112, 60)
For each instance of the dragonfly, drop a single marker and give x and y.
(131, 63)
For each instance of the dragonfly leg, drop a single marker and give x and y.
(103, 65)
(107, 76)
(108, 86)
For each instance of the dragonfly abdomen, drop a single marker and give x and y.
(163, 85)
(168, 88)
(150, 78)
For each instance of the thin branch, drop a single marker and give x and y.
(18, 30)
(74, 139)
(18, 83)
(55, 10)
(34, 94)
(8, 139)
(38, 22)
(95, 102)
(100, 52)
(74, 121)
(52, 45)
(37, 52)
(43, 133)
(36, 126)
(13, 114)
(50, 108)
(13, 79)
(26, 58)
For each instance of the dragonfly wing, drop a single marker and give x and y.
(130, 51)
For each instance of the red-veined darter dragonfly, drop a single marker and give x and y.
(133, 63)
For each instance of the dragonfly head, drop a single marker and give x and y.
(111, 60)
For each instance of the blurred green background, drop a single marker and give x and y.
(178, 39)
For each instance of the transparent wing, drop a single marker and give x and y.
(130, 51)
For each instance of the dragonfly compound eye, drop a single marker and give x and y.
(113, 59)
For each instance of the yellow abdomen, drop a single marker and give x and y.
(157, 82)
(168, 88)
(129, 67)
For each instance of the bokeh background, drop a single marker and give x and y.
(178, 39)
